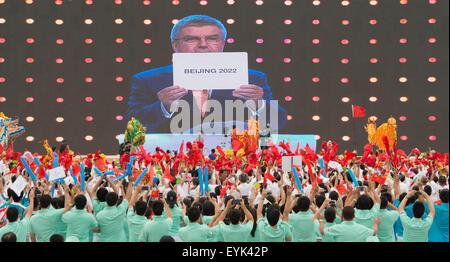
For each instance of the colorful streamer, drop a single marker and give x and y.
(27, 167)
(297, 179)
(353, 177)
(206, 179)
(200, 180)
(82, 178)
(140, 177)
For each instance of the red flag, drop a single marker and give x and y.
(41, 172)
(358, 111)
(1, 149)
(386, 145)
(236, 144)
(181, 148)
(168, 175)
(152, 173)
(267, 176)
(100, 164)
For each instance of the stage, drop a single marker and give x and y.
(173, 142)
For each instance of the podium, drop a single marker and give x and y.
(173, 141)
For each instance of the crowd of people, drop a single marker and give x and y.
(174, 197)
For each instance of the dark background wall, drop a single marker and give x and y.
(110, 97)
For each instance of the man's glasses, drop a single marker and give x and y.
(213, 39)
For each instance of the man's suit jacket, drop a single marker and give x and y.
(145, 106)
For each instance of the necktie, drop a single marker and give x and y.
(201, 99)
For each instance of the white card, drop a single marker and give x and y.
(287, 162)
(2, 168)
(197, 71)
(19, 185)
(69, 180)
(56, 173)
(335, 165)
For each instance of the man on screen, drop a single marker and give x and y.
(154, 99)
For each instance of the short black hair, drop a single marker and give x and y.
(208, 208)
(348, 213)
(56, 238)
(167, 238)
(303, 203)
(273, 214)
(384, 202)
(333, 195)
(45, 200)
(418, 209)
(235, 216)
(243, 178)
(193, 214)
(158, 207)
(140, 207)
(388, 196)
(330, 214)
(443, 195)
(80, 201)
(364, 202)
(111, 198)
(101, 194)
(12, 214)
(9, 237)
(427, 189)
(319, 199)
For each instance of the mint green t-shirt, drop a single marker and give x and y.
(156, 228)
(270, 234)
(366, 217)
(349, 231)
(176, 218)
(303, 227)
(19, 228)
(136, 225)
(415, 229)
(386, 227)
(79, 224)
(110, 222)
(194, 232)
(45, 223)
(235, 233)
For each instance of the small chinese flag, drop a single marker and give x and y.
(358, 111)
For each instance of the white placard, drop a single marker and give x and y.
(2, 168)
(56, 173)
(287, 162)
(335, 165)
(197, 71)
(19, 185)
(69, 180)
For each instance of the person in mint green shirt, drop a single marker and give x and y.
(416, 229)
(304, 222)
(177, 217)
(330, 220)
(388, 218)
(254, 233)
(98, 196)
(236, 231)
(59, 203)
(45, 222)
(271, 228)
(194, 231)
(79, 222)
(367, 206)
(19, 227)
(136, 216)
(112, 218)
(349, 230)
(160, 225)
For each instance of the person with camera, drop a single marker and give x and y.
(237, 231)
(271, 228)
(160, 224)
(416, 228)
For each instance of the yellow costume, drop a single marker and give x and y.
(375, 135)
